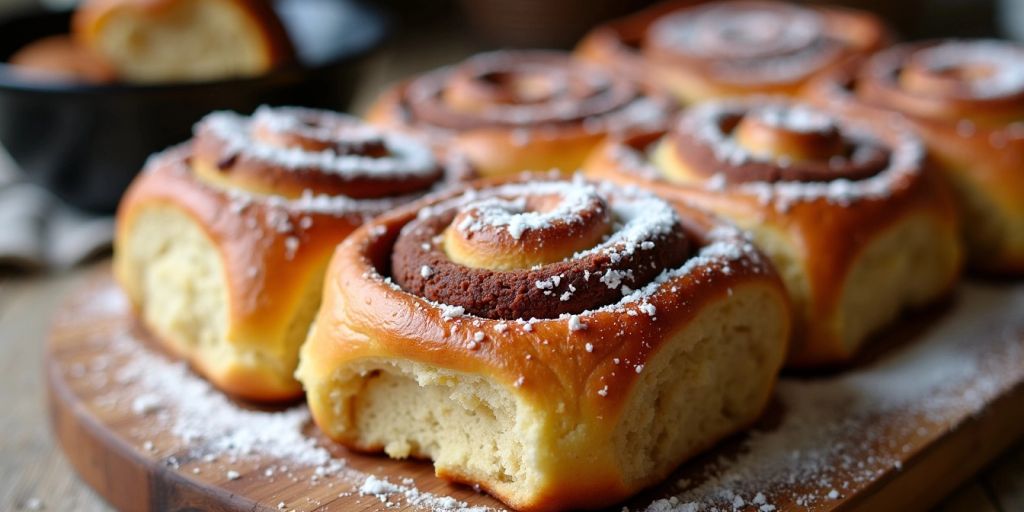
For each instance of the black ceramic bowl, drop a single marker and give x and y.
(86, 142)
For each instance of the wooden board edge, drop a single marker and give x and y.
(943, 466)
(114, 470)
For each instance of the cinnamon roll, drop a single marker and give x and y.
(843, 204)
(523, 110)
(966, 99)
(732, 48)
(222, 242)
(561, 344)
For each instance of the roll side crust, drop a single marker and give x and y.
(264, 280)
(815, 243)
(974, 139)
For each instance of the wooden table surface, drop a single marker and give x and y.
(35, 476)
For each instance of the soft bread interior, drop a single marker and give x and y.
(468, 425)
(711, 378)
(186, 40)
(174, 274)
(714, 377)
(911, 263)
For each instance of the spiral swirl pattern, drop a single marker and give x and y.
(523, 90)
(286, 151)
(743, 40)
(980, 81)
(966, 99)
(575, 247)
(779, 141)
(733, 48)
(778, 151)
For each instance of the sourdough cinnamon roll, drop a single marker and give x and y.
(966, 99)
(732, 48)
(222, 242)
(843, 204)
(570, 342)
(511, 111)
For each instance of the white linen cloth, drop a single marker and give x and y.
(39, 231)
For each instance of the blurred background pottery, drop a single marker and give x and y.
(86, 142)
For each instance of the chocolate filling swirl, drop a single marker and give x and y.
(586, 246)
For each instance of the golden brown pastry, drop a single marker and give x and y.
(183, 40)
(561, 344)
(523, 110)
(966, 99)
(222, 243)
(732, 48)
(59, 58)
(844, 205)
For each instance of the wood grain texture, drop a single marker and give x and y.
(33, 472)
(107, 445)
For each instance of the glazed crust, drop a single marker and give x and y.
(827, 237)
(626, 47)
(503, 147)
(975, 142)
(592, 371)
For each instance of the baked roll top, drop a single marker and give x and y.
(966, 99)
(222, 242)
(562, 344)
(732, 48)
(511, 111)
(843, 204)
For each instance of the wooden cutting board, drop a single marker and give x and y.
(935, 399)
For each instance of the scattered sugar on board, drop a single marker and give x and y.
(383, 489)
(951, 371)
(823, 443)
(219, 431)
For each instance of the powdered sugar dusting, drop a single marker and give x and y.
(797, 118)
(563, 92)
(235, 440)
(1003, 64)
(641, 217)
(640, 221)
(405, 156)
(906, 156)
(511, 213)
(746, 42)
